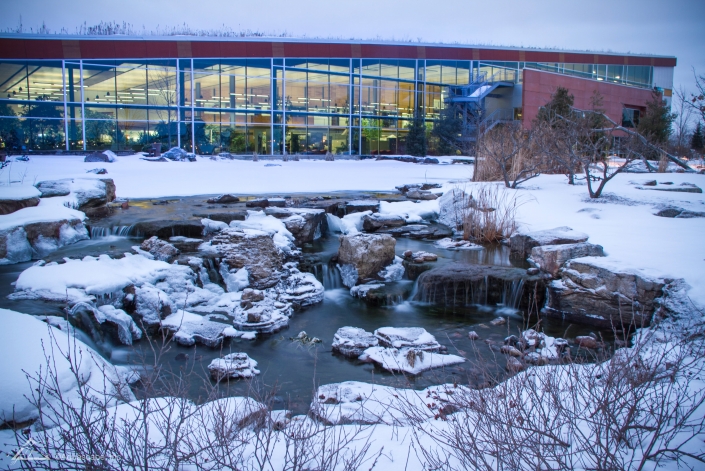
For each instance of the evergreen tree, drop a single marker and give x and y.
(655, 123)
(560, 105)
(416, 138)
(697, 142)
(447, 129)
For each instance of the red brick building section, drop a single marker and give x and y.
(539, 86)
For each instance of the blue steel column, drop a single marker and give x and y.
(271, 105)
(66, 108)
(359, 107)
(193, 112)
(83, 108)
(351, 95)
(178, 106)
(283, 106)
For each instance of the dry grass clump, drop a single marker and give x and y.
(490, 214)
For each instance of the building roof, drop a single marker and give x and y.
(30, 46)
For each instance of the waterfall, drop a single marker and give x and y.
(330, 276)
(120, 231)
(511, 293)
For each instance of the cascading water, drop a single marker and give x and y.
(511, 293)
(330, 276)
(120, 231)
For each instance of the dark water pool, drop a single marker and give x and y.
(293, 369)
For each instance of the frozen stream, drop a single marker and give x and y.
(294, 369)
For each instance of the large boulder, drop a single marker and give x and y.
(463, 284)
(159, 249)
(521, 243)
(375, 221)
(233, 365)
(253, 250)
(596, 292)
(550, 258)
(14, 198)
(363, 256)
(453, 207)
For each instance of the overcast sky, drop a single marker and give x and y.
(664, 27)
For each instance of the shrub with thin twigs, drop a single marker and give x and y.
(490, 214)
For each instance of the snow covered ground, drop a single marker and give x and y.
(136, 178)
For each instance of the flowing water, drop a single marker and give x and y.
(295, 369)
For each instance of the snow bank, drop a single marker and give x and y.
(45, 212)
(18, 192)
(79, 280)
(35, 339)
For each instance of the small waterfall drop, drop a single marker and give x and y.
(120, 231)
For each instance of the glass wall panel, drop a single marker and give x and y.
(407, 70)
(296, 139)
(13, 80)
(433, 71)
(339, 141)
(339, 65)
(45, 81)
(370, 67)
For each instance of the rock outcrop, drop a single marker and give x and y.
(234, 365)
(550, 258)
(464, 284)
(592, 291)
(159, 249)
(363, 256)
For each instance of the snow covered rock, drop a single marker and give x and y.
(404, 189)
(365, 403)
(393, 271)
(550, 258)
(252, 250)
(420, 231)
(84, 193)
(298, 288)
(223, 199)
(276, 229)
(351, 342)
(375, 221)
(452, 208)
(408, 360)
(189, 328)
(368, 254)
(306, 224)
(14, 198)
(37, 231)
(159, 249)
(451, 244)
(360, 206)
(595, 291)
(101, 156)
(126, 328)
(234, 365)
(421, 195)
(414, 337)
(40, 343)
(266, 316)
(521, 243)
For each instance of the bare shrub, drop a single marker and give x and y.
(490, 214)
(329, 157)
(663, 163)
(255, 157)
(643, 408)
(164, 429)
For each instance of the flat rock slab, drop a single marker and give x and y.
(680, 213)
(375, 221)
(521, 243)
(413, 337)
(360, 206)
(408, 360)
(550, 258)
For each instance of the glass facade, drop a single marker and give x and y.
(263, 105)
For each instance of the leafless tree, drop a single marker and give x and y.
(683, 121)
(509, 151)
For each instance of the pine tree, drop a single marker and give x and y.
(416, 138)
(697, 142)
(447, 129)
(560, 105)
(655, 123)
